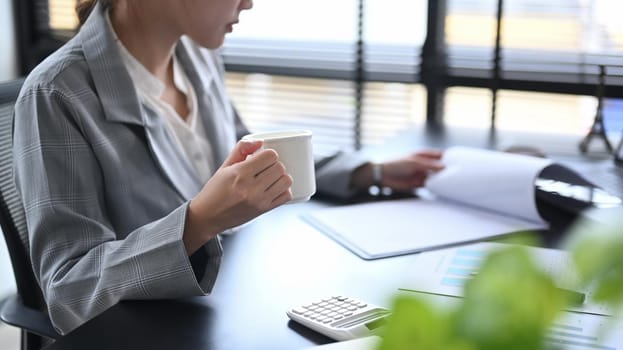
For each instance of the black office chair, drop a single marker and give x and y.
(26, 309)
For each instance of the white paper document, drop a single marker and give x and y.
(496, 181)
(479, 195)
(389, 228)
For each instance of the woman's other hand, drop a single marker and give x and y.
(402, 174)
(410, 172)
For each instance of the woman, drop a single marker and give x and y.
(127, 161)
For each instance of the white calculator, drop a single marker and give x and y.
(340, 317)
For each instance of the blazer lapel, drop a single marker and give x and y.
(121, 103)
(110, 77)
(165, 149)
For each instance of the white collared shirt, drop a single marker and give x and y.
(190, 133)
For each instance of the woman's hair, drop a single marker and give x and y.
(84, 8)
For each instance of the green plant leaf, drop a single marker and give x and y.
(596, 248)
(510, 304)
(416, 324)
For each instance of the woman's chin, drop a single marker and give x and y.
(211, 43)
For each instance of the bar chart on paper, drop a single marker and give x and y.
(445, 272)
(462, 266)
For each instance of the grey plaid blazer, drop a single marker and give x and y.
(104, 185)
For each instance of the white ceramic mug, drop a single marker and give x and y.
(295, 152)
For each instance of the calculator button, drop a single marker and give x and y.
(299, 311)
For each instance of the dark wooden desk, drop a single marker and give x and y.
(271, 264)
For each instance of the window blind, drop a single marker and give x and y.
(62, 18)
(470, 36)
(314, 39)
(318, 41)
(393, 35)
(326, 107)
(268, 103)
(554, 46)
(581, 37)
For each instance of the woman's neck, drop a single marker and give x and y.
(147, 36)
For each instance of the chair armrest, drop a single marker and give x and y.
(9, 90)
(16, 314)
